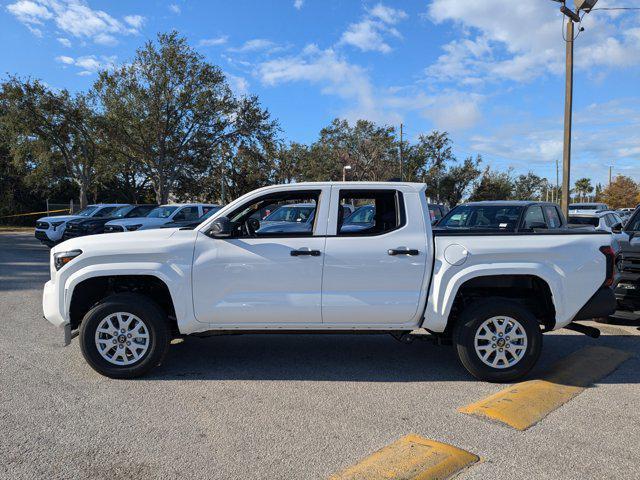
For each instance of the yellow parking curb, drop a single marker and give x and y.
(410, 458)
(525, 404)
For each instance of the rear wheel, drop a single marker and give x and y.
(497, 340)
(125, 336)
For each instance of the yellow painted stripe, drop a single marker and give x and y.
(525, 404)
(35, 213)
(410, 458)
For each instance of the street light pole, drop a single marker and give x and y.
(344, 172)
(568, 100)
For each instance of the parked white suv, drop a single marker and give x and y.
(489, 291)
(160, 216)
(49, 230)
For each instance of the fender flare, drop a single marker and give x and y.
(445, 288)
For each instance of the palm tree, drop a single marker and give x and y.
(583, 187)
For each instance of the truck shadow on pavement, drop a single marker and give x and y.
(352, 358)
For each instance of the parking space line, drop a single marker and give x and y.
(410, 457)
(525, 404)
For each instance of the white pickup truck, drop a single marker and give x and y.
(490, 293)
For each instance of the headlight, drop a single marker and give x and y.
(56, 224)
(62, 258)
(131, 228)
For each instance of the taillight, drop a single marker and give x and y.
(611, 262)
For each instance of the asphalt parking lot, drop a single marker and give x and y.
(282, 406)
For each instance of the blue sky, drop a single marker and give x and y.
(490, 72)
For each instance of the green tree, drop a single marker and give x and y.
(583, 188)
(428, 160)
(172, 111)
(369, 149)
(57, 126)
(528, 187)
(493, 185)
(455, 182)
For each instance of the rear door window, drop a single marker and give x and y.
(553, 217)
(377, 212)
(533, 218)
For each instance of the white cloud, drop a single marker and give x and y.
(88, 64)
(298, 4)
(387, 14)
(212, 42)
(525, 42)
(369, 33)
(66, 60)
(238, 84)
(65, 42)
(175, 8)
(75, 18)
(136, 21)
(257, 44)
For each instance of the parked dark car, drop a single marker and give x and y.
(628, 262)
(504, 216)
(192, 223)
(91, 226)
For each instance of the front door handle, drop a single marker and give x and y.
(403, 251)
(301, 252)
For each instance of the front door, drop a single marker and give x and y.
(270, 272)
(375, 263)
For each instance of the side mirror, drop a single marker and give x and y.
(617, 228)
(220, 228)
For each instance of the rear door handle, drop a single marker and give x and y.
(403, 251)
(301, 252)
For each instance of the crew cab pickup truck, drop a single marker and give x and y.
(628, 262)
(126, 295)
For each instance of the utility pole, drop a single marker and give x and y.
(568, 100)
(572, 17)
(401, 159)
(557, 180)
(610, 168)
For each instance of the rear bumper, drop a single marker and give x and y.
(601, 304)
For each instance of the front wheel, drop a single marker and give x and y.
(497, 340)
(124, 336)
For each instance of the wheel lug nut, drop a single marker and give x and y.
(492, 346)
(129, 335)
(122, 330)
(499, 334)
(507, 339)
(494, 339)
(500, 349)
(128, 343)
(122, 346)
(114, 341)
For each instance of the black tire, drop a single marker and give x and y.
(155, 321)
(469, 323)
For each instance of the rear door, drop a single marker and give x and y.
(374, 276)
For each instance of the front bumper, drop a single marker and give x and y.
(42, 236)
(53, 305)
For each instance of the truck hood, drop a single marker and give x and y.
(116, 242)
(144, 221)
(63, 218)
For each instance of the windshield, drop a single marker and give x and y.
(634, 223)
(593, 221)
(121, 212)
(589, 206)
(361, 215)
(162, 212)
(492, 217)
(290, 214)
(87, 211)
(209, 213)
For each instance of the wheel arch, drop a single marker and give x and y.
(532, 286)
(90, 290)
